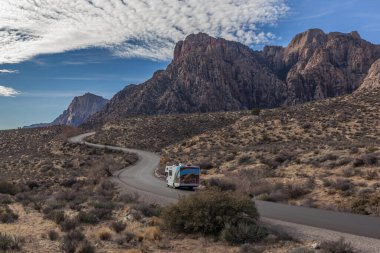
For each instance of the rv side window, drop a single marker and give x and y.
(170, 173)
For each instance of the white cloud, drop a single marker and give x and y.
(8, 91)
(8, 71)
(130, 28)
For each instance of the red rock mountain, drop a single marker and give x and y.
(210, 74)
(316, 65)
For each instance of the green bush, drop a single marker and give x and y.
(9, 242)
(243, 232)
(209, 212)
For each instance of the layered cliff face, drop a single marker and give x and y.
(206, 74)
(373, 78)
(316, 65)
(80, 109)
(210, 74)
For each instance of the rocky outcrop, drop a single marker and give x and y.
(373, 78)
(213, 74)
(80, 109)
(206, 74)
(316, 65)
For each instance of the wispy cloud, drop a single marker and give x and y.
(133, 28)
(77, 63)
(8, 71)
(8, 91)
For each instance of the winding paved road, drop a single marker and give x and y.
(140, 178)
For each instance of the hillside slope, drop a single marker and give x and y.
(322, 154)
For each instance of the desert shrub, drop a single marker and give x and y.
(366, 204)
(358, 162)
(5, 199)
(339, 184)
(250, 248)
(255, 111)
(103, 210)
(221, 184)
(147, 210)
(302, 250)
(125, 238)
(69, 224)
(104, 234)
(370, 159)
(67, 196)
(129, 198)
(10, 242)
(244, 159)
(337, 247)
(349, 172)
(87, 217)
(85, 247)
(71, 241)
(206, 165)
(8, 188)
(53, 235)
(208, 212)
(371, 174)
(243, 232)
(7, 215)
(295, 191)
(57, 216)
(68, 182)
(118, 226)
(32, 184)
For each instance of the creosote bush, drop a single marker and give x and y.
(211, 212)
(340, 246)
(9, 242)
(7, 215)
(8, 188)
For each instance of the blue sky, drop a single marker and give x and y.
(55, 57)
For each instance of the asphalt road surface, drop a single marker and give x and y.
(140, 178)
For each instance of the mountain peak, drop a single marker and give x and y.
(311, 36)
(193, 43)
(80, 109)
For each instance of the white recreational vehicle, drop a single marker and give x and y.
(182, 175)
